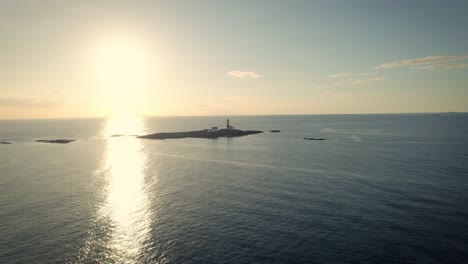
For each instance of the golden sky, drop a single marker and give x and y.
(76, 58)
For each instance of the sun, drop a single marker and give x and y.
(123, 69)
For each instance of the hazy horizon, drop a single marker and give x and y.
(229, 116)
(73, 59)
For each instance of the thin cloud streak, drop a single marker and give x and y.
(349, 79)
(356, 81)
(340, 75)
(244, 74)
(30, 102)
(430, 62)
(364, 81)
(444, 66)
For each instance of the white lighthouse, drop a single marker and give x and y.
(229, 127)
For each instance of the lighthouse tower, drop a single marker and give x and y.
(228, 127)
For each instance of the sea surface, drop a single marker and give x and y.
(379, 189)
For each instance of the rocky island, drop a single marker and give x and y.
(58, 141)
(212, 133)
(202, 134)
(311, 138)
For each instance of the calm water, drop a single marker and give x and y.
(380, 189)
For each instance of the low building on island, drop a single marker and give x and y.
(213, 129)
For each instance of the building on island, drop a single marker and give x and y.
(215, 129)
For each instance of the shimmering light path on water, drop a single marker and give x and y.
(125, 207)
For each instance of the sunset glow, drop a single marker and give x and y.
(163, 58)
(122, 70)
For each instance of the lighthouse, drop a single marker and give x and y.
(229, 127)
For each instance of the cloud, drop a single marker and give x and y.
(244, 74)
(430, 62)
(349, 79)
(340, 75)
(347, 74)
(444, 66)
(364, 81)
(29, 102)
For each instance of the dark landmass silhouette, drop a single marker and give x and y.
(311, 138)
(202, 134)
(275, 131)
(58, 141)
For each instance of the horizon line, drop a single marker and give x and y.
(174, 116)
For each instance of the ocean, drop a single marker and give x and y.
(380, 189)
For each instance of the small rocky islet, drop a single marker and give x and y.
(56, 141)
(311, 138)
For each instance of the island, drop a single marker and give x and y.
(211, 133)
(275, 131)
(202, 134)
(57, 141)
(5, 143)
(311, 138)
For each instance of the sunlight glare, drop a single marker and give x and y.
(127, 202)
(123, 69)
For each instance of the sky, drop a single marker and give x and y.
(77, 58)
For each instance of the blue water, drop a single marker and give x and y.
(380, 189)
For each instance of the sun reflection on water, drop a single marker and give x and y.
(127, 202)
